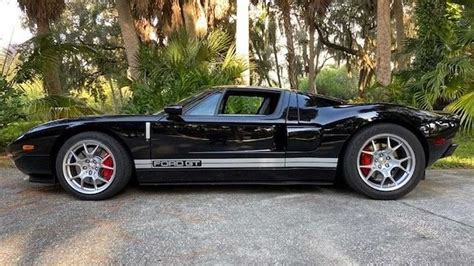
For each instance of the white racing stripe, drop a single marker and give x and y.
(236, 163)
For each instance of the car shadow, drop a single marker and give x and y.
(134, 189)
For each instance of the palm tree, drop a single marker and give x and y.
(285, 7)
(186, 65)
(402, 59)
(129, 34)
(41, 13)
(272, 29)
(383, 53)
(242, 36)
(195, 18)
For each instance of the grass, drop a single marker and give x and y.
(5, 161)
(463, 157)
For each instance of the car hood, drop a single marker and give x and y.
(94, 119)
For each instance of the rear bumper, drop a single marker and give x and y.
(438, 151)
(450, 150)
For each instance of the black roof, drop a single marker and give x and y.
(223, 87)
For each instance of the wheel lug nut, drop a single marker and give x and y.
(388, 158)
(387, 165)
(380, 166)
(85, 167)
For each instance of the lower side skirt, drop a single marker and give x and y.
(283, 183)
(281, 176)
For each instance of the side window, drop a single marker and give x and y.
(307, 107)
(243, 105)
(206, 107)
(306, 101)
(249, 103)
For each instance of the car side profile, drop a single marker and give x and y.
(241, 135)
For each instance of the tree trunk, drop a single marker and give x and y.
(259, 55)
(312, 55)
(402, 59)
(285, 9)
(130, 38)
(144, 29)
(383, 52)
(51, 79)
(365, 76)
(195, 18)
(114, 97)
(277, 65)
(173, 17)
(317, 67)
(242, 36)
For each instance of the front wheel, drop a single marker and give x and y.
(93, 166)
(384, 161)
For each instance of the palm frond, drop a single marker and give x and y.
(464, 107)
(57, 107)
(183, 67)
(39, 53)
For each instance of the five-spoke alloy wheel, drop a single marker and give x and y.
(384, 161)
(93, 165)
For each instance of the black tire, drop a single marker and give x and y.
(351, 173)
(122, 160)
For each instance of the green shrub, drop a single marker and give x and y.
(394, 93)
(183, 67)
(12, 131)
(10, 103)
(335, 82)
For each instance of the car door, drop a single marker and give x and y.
(216, 135)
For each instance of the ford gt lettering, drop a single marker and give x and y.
(176, 163)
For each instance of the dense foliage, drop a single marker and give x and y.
(10, 103)
(183, 67)
(441, 74)
(335, 82)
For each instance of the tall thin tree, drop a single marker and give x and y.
(41, 13)
(129, 34)
(285, 7)
(384, 41)
(242, 36)
(398, 13)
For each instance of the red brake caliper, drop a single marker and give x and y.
(107, 173)
(365, 159)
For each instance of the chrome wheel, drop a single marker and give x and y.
(386, 162)
(89, 167)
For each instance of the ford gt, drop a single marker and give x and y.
(241, 135)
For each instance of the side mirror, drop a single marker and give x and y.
(174, 110)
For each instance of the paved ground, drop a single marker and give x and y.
(240, 224)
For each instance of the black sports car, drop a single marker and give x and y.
(230, 135)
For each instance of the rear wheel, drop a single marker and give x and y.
(384, 161)
(93, 166)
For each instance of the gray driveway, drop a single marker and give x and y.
(238, 224)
